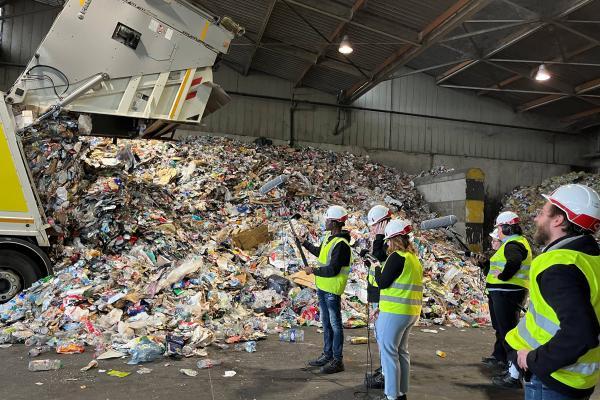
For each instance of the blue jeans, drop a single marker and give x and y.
(536, 390)
(331, 317)
(392, 337)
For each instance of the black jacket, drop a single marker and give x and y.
(394, 265)
(380, 253)
(340, 256)
(566, 290)
(515, 253)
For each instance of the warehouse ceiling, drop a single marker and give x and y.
(490, 47)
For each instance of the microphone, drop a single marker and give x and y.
(441, 222)
(273, 183)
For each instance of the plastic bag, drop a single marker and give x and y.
(145, 350)
(278, 283)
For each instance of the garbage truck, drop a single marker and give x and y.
(125, 69)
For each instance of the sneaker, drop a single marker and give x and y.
(384, 397)
(332, 367)
(375, 381)
(492, 362)
(319, 362)
(507, 382)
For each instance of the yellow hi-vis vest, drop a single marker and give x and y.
(540, 324)
(335, 284)
(371, 277)
(405, 296)
(498, 262)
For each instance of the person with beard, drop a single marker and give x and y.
(334, 258)
(556, 343)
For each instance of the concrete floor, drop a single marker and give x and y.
(273, 372)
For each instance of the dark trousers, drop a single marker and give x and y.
(505, 309)
(330, 306)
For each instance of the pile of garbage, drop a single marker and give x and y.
(525, 201)
(168, 247)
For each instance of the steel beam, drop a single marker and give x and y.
(504, 90)
(430, 35)
(261, 33)
(516, 37)
(487, 30)
(551, 62)
(588, 86)
(581, 115)
(507, 42)
(417, 71)
(577, 32)
(358, 4)
(310, 57)
(409, 37)
(542, 101)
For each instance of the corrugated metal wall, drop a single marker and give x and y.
(383, 131)
(24, 25)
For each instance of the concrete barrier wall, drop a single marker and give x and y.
(459, 193)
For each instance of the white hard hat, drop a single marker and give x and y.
(494, 234)
(336, 213)
(378, 214)
(397, 227)
(581, 204)
(507, 218)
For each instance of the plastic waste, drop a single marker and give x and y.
(70, 348)
(249, 347)
(44, 365)
(175, 346)
(118, 374)
(278, 283)
(36, 351)
(145, 350)
(292, 335)
(189, 372)
(208, 363)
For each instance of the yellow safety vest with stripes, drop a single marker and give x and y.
(540, 324)
(405, 296)
(371, 277)
(335, 284)
(498, 262)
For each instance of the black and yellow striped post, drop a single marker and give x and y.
(474, 206)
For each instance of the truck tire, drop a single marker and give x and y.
(17, 272)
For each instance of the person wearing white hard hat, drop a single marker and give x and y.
(484, 262)
(556, 342)
(400, 281)
(377, 219)
(496, 242)
(334, 259)
(506, 283)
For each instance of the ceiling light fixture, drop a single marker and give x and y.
(345, 46)
(542, 73)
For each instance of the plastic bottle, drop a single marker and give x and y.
(208, 363)
(36, 351)
(292, 335)
(44, 365)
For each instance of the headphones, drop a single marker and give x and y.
(506, 230)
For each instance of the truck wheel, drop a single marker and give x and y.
(17, 272)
